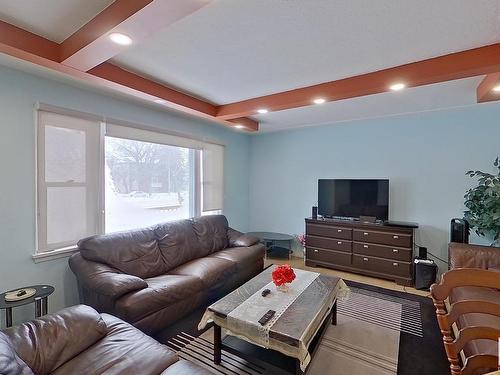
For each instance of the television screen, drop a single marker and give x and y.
(353, 198)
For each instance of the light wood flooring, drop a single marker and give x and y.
(299, 263)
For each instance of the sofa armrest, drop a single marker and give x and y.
(238, 239)
(103, 279)
(46, 343)
(463, 255)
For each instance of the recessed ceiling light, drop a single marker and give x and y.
(262, 111)
(239, 126)
(397, 86)
(121, 39)
(496, 88)
(319, 101)
(160, 101)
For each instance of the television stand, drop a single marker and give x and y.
(371, 249)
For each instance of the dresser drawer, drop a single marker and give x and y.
(385, 238)
(328, 256)
(396, 268)
(329, 243)
(382, 251)
(329, 231)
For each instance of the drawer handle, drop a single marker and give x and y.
(395, 264)
(395, 250)
(395, 237)
(339, 242)
(316, 251)
(365, 259)
(365, 246)
(339, 230)
(365, 233)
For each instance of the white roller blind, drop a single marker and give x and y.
(212, 177)
(68, 179)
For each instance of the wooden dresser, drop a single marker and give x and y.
(368, 249)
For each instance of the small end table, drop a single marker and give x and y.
(40, 298)
(273, 240)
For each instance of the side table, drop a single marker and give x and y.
(273, 240)
(40, 298)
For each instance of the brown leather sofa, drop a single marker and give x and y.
(467, 302)
(151, 277)
(79, 340)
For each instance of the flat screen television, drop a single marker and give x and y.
(353, 198)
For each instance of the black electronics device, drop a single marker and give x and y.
(315, 212)
(422, 252)
(425, 271)
(459, 231)
(265, 292)
(353, 198)
(405, 224)
(267, 316)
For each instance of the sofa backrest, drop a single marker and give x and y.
(134, 252)
(154, 251)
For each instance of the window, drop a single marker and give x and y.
(96, 177)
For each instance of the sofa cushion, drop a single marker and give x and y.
(211, 232)
(133, 252)
(242, 256)
(477, 319)
(10, 363)
(213, 272)
(162, 291)
(177, 242)
(47, 342)
(183, 367)
(124, 350)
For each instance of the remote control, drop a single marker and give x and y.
(267, 316)
(265, 292)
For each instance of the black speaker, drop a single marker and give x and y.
(459, 231)
(422, 252)
(315, 212)
(425, 272)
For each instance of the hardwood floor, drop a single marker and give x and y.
(299, 263)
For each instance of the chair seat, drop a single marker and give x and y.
(213, 272)
(241, 255)
(124, 350)
(477, 319)
(162, 291)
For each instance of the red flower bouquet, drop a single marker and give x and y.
(283, 274)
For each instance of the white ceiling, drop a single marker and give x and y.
(459, 93)
(53, 19)
(232, 50)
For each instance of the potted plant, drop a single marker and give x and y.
(483, 204)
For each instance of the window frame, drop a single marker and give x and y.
(42, 251)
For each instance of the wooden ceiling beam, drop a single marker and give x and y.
(485, 91)
(138, 19)
(474, 62)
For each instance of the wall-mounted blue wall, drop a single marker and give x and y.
(424, 155)
(18, 94)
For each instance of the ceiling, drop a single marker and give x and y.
(233, 50)
(53, 19)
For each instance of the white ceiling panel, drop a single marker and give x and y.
(451, 94)
(233, 50)
(53, 19)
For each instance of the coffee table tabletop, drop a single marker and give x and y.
(295, 328)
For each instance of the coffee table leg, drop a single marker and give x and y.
(38, 308)
(334, 314)
(217, 344)
(298, 370)
(45, 305)
(8, 317)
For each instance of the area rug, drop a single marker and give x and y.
(378, 332)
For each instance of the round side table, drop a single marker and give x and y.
(273, 240)
(40, 298)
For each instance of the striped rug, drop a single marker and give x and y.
(370, 309)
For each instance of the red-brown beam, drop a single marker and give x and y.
(485, 92)
(474, 62)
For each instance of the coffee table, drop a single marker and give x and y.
(274, 241)
(295, 327)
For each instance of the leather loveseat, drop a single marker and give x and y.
(152, 277)
(79, 340)
(467, 301)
